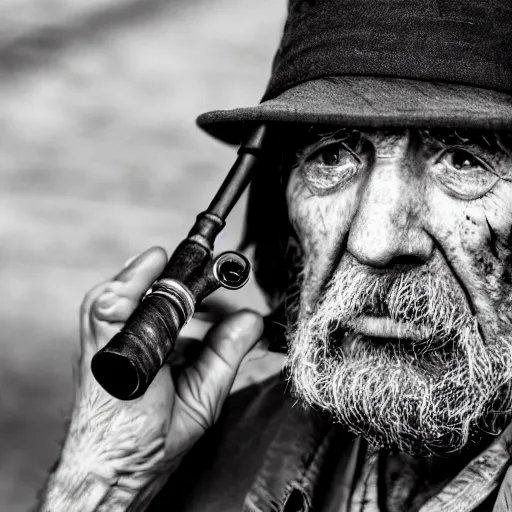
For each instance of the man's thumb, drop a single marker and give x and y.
(205, 385)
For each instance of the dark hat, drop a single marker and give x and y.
(386, 63)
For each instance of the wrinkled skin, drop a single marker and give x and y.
(407, 202)
(118, 454)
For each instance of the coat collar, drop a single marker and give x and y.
(307, 446)
(303, 450)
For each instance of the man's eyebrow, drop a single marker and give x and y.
(497, 144)
(307, 136)
(490, 140)
(494, 141)
(505, 142)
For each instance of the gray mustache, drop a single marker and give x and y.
(421, 299)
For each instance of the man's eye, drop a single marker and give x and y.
(465, 175)
(329, 167)
(461, 159)
(332, 155)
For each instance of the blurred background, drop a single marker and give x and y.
(100, 158)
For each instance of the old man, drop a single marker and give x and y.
(382, 227)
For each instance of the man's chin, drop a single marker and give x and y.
(418, 376)
(379, 389)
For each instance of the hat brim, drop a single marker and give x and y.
(369, 102)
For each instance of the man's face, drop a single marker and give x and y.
(404, 329)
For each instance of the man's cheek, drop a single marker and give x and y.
(317, 247)
(478, 241)
(305, 215)
(498, 208)
(499, 282)
(462, 234)
(476, 249)
(485, 237)
(321, 233)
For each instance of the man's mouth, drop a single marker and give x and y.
(386, 327)
(381, 333)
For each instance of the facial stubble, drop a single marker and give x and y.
(424, 397)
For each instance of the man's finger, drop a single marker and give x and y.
(120, 297)
(204, 386)
(140, 273)
(235, 336)
(114, 301)
(112, 308)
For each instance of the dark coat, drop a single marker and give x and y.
(269, 454)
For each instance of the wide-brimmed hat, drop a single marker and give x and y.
(381, 63)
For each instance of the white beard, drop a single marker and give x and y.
(427, 397)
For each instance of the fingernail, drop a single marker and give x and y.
(129, 268)
(106, 300)
(129, 261)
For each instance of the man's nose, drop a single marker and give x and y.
(387, 227)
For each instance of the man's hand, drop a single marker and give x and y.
(118, 454)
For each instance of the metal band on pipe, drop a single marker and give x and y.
(178, 293)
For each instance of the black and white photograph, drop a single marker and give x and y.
(256, 256)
